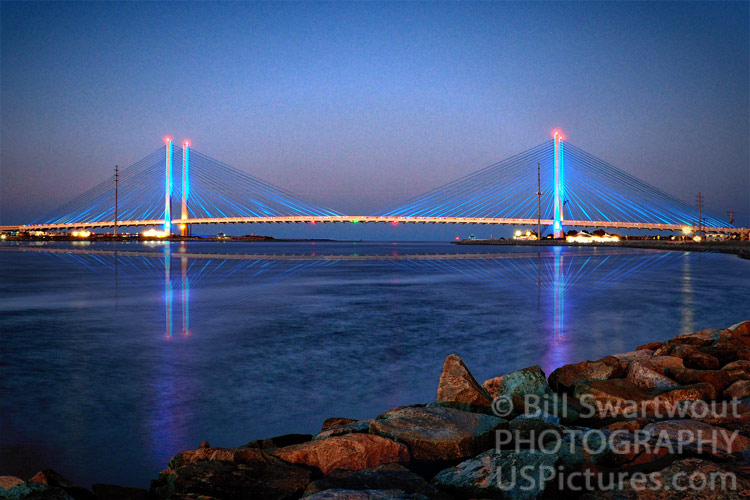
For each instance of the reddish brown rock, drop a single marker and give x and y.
(673, 483)
(631, 425)
(704, 337)
(612, 397)
(669, 399)
(457, 388)
(335, 422)
(646, 378)
(691, 356)
(738, 370)
(204, 444)
(493, 386)
(349, 452)
(699, 434)
(720, 379)
(48, 477)
(660, 364)
(726, 351)
(738, 390)
(435, 434)
(565, 378)
(626, 358)
(652, 346)
(9, 482)
(742, 328)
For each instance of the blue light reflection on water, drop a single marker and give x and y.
(111, 364)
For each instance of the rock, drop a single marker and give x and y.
(668, 401)
(497, 475)
(646, 378)
(278, 441)
(626, 358)
(742, 328)
(630, 425)
(338, 494)
(112, 492)
(382, 477)
(620, 397)
(650, 346)
(738, 390)
(533, 432)
(388, 413)
(55, 481)
(674, 484)
(457, 388)
(204, 444)
(48, 477)
(440, 434)
(493, 386)
(565, 378)
(519, 384)
(732, 415)
(704, 337)
(660, 364)
(349, 452)
(720, 379)
(611, 397)
(355, 426)
(691, 356)
(8, 482)
(738, 370)
(252, 474)
(700, 434)
(726, 351)
(336, 422)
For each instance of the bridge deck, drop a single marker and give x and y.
(366, 219)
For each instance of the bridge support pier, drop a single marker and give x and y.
(168, 190)
(185, 228)
(557, 225)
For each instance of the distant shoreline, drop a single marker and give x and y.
(736, 247)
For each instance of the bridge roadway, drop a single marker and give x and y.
(367, 219)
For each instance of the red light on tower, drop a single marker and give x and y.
(395, 223)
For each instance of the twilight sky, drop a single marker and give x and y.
(359, 106)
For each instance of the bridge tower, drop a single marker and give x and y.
(185, 228)
(168, 190)
(557, 226)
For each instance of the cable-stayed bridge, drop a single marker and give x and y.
(553, 184)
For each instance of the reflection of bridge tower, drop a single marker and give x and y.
(169, 293)
(557, 227)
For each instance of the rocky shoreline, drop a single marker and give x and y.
(668, 420)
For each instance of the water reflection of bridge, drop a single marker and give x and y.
(552, 273)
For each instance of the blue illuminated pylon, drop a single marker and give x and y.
(557, 226)
(184, 230)
(168, 191)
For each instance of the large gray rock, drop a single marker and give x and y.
(518, 385)
(496, 474)
(457, 387)
(646, 378)
(438, 434)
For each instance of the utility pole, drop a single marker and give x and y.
(117, 180)
(538, 202)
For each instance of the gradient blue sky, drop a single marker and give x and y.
(359, 106)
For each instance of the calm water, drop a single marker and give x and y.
(112, 364)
